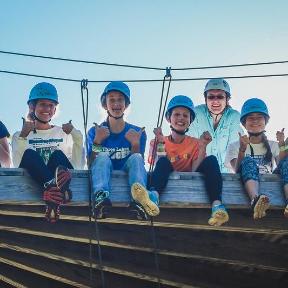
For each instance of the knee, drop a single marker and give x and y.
(136, 158)
(248, 161)
(28, 153)
(101, 159)
(57, 154)
(211, 163)
(249, 169)
(283, 164)
(211, 160)
(163, 162)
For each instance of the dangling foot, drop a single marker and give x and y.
(101, 204)
(52, 213)
(62, 180)
(219, 215)
(260, 204)
(53, 198)
(141, 196)
(138, 211)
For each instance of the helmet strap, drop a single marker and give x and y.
(179, 132)
(110, 115)
(39, 120)
(252, 134)
(221, 113)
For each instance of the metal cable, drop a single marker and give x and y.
(84, 88)
(143, 67)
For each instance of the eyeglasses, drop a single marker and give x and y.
(216, 97)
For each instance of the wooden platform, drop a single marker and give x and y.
(183, 190)
(190, 253)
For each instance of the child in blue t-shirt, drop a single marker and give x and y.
(118, 145)
(5, 159)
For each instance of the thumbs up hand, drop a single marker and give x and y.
(280, 136)
(67, 127)
(101, 133)
(244, 141)
(134, 136)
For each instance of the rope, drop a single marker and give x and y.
(84, 88)
(159, 124)
(143, 67)
(143, 80)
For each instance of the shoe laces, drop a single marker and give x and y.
(101, 195)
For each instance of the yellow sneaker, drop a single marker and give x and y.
(141, 196)
(219, 216)
(260, 204)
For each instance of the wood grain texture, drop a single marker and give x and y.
(184, 189)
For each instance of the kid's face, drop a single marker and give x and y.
(180, 118)
(216, 101)
(255, 122)
(45, 109)
(115, 103)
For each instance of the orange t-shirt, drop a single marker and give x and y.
(180, 155)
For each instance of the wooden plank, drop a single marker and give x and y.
(10, 282)
(183, 189)
(48, 259)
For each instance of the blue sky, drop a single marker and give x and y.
(149, 33)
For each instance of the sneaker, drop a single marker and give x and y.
(154, 196)
(260, 204)
(219, 215)
(141, 196)
(52, 213)
(137, 211)
(53, 197)
(62, 179)
(101, 204)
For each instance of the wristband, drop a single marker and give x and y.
(283, 148)
(97, 148)
(160, 151)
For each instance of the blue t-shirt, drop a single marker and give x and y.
(117, 145)
(3, 131)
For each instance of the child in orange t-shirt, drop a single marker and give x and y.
(179, 152)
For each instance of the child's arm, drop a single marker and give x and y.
(157, 146)
(95, 139)
(205, 139)
(5, 159)
(283, 147)
(244, 141)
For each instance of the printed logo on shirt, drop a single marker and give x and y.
(117, 153)
(265, 167)
(45, 147)
(179, 157)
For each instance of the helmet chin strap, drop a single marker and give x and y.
(211, 113)
(110, 115)
(34, 117)
(179, 132)
(256, 134)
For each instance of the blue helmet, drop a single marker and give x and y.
(253, 105)
(43, 90)
(116, 86)
(180, 101)
(217, 84)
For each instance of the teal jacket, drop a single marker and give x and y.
(225, 133)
